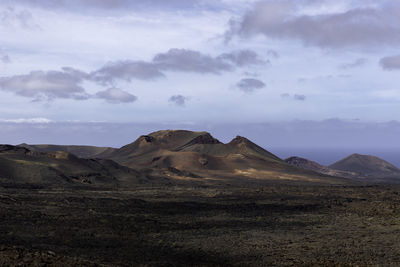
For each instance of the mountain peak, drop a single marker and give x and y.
(239, 140)
(306, 164)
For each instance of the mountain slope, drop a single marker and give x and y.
(202, 155)
(79, 151)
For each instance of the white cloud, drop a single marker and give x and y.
(41, 85)
(27, 120)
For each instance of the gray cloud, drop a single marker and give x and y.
(242, 58)
(285, 95)
(357, 63)
(273, 53)
(50, 85)
(11, 17)
(295, 96)
(249, 85)
(361, 27)
(191, 61)
(179, 60)
(126, 70)
(116, 96)
(110, 5)
(390, 63)
(5, 59)
(299, 97)
(178, 100)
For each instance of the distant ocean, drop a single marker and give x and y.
(329, 155)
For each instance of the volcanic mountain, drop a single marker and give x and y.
(21, 166)
(198, 154)
(367, 166)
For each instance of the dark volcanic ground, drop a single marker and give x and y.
(274, 225)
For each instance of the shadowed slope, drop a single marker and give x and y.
(79, 151)
(19, 165)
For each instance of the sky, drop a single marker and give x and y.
(193, 63)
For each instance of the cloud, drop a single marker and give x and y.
(116, 96)
(29, 120)
(242, 58)
(390, 63)
(357, 63)
(5, 59)
(285, 95)
(65, 84)
(273, 53)
(126, 70)
(49, 85)
(249, 85)
(12, 18)
(178, 100)
(299, 97)
(191, 61)
(358, 26)
(177, 60)
(110, 5)
(295, 97)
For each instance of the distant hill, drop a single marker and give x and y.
(314, 166)
(79, 151)
(368, 166)
(356, 167)
(21, 166)
(202, 155)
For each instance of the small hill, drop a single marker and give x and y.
(79, 151)
(21, 166)
(314, 166)
(307, 164)
(201, 155)
(366, 165)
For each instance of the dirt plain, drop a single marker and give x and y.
(273, 225)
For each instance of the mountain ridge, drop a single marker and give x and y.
(205, 156)
(182, 155)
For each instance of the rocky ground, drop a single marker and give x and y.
(275, 225)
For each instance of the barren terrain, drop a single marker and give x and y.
(273, 225)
